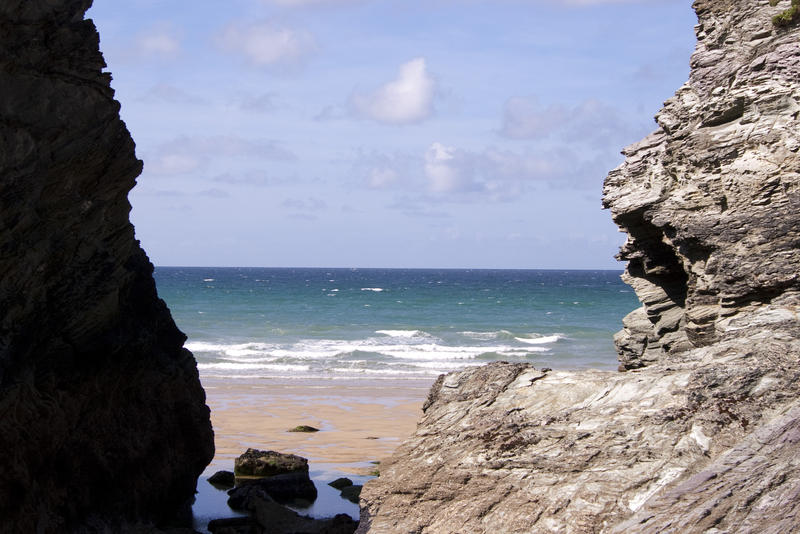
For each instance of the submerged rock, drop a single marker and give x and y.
(340, 483)
(283, 488)
(104, 421)
(270, 517)
(276, 519)
(352, 493)
(701, 433)
(222, 479)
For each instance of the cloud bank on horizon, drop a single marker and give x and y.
(367, 133)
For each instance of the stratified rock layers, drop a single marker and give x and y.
(710, 201)
(102, 416)
(702, 434)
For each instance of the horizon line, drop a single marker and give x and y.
(391, 268)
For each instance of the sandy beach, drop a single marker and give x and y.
(360, 422)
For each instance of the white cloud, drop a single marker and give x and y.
(311, 204)
(162, 92)
(252, 178)
(497, 175)
(380, 178)
(263, 103)
(591, 123)
(523, 119)
(265, 44)
(407, 99)
(173, 163)
(160, 41)
(385, 171)
(441, 169)
(188, 154)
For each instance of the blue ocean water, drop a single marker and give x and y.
(283, 323)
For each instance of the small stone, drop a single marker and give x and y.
(340, 483)
(304, 428)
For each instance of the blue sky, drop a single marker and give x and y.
(386, 133)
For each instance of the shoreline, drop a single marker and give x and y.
(360, 421)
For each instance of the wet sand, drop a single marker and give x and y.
(360, 422)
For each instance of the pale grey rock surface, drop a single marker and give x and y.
(702, 433)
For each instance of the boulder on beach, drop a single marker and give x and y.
(303, 428)
(340, 483)
(257, 463)
(222, 479)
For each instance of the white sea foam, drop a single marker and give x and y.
(231, 366)
(480, 335)
(202, 346)
(541, 340)
(402, 333)
(232, 349)
(387, 372)
(450, 366)
(208, 279)
(405, 353)
(375, 289)
(417, 348)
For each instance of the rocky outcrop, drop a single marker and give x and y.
(701, 434)
(710, 201)
(102, 417)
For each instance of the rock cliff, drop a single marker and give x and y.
(702, 433)
(103, 420)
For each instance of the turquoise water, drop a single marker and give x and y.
(392, 323)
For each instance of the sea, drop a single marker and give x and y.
(288, 324)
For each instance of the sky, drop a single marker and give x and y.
(387, 133)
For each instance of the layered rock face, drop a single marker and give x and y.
(702, 433)
(103, 420)
(710, 201)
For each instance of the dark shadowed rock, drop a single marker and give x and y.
(283, 488)
(340, 483)
(276, 519)
(352, 493)
(222, 479)
(104, 420)
(702, 432)
(270, 517)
